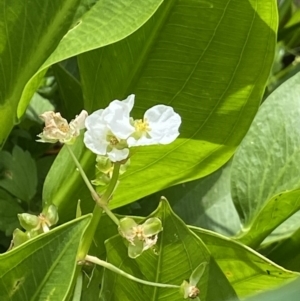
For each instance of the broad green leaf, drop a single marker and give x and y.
(248, 271)
(175, 59)
(287, 253)
(18, 173)
(30, 31)
(9, 208)
(177, 254)
(63, 182)
(105, 22)
(43, 268)
(289, 292)
(267, 164)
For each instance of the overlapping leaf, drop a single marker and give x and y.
(30, 33)
(177, 254)
(174, 59)
(267, 164)
(247, 271)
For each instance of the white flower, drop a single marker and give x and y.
(58, 129)
(108, 129)
(159, 126)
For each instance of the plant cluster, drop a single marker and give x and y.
(149, 150)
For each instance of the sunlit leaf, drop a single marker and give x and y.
(177, 254)
(43, 268)
(173, 59)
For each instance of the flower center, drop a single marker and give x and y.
(139, 232)
(64, 128)
(193, 292)
(113, 141)
(142, 125)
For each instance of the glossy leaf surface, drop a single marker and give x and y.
(173, 60)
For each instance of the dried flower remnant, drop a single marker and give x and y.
(58, 129)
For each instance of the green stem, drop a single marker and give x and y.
(82, 173)
(101, 204)
(112, 184)
(111, 267)
(89, 233)
(78, 288)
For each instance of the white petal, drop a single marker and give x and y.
(164, 123)
(94, 119)
(118, 155)
(97, 144)
(117, 117)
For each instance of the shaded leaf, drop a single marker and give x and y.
(9, 209)
(37, 106)
(287, 253)
(18, 173)
(270, 153)
(71, 100)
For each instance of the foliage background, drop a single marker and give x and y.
(213, 61)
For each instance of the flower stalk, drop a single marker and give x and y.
(101, 204)
(112, 268)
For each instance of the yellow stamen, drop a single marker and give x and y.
(142, 125)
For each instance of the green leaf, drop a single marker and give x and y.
(270, 153)
(37, 106)
(64, 186)
(174, 59)
(69, 87)
(278, 209)
(29, 31)
(248, 271)
(284, 230)
(104, 23)
(43, 268)
(204, 203)
(289, 292)
(178, 253)
(18, 173)
(9, 209)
